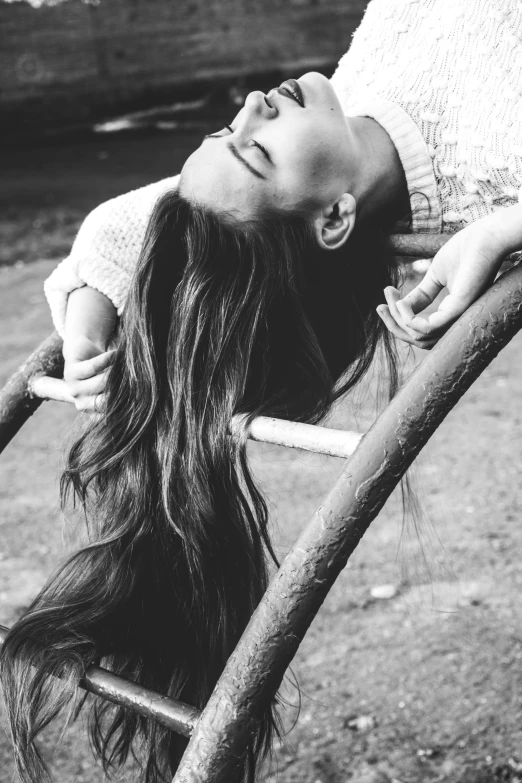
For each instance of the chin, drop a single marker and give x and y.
(319, 86)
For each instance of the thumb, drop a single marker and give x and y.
(449, 310)
(419, 298)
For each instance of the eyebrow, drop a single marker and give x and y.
(235, 152)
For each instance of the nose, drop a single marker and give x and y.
(256, 102)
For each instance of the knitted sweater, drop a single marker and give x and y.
(442, 77)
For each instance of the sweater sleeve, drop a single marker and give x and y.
(106, 250)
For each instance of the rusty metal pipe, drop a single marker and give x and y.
(295, 435)
(176, 715)
(416, 245)
(310, 437)
(17, 403)
(256, 668)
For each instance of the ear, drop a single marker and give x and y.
(335, 224)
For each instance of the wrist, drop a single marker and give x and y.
(506, 226)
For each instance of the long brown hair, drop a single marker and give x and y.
(220, 320)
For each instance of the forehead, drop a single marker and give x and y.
(214, 177)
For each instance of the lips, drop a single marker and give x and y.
(293, 88)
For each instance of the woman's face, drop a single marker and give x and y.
(286, 149)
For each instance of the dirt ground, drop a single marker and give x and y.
(423, 686)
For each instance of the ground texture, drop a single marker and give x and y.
(425, 685)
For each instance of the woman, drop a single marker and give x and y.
(251, 286)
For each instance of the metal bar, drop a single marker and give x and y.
(16, 401)
(256, 668)
(176, 715)
(411, 247)
(416, 245)
(336, 443)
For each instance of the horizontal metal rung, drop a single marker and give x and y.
(416, 245)
(176, 715)
(310, 437)
(335, 443)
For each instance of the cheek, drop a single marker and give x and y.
(313, 167)
(311, 161)
(321, 150)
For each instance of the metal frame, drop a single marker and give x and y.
(220, 734)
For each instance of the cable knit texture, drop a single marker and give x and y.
(452, 69)
(443, 77)
(106, 250)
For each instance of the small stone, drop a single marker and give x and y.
(515, 765)
(384, 592)
(361, 723)
(427, 753)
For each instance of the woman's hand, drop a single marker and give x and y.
(85, 373)
(466, 265)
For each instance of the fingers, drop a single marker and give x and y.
(88, 394)
(86, 381)
(90, 385)
(417, 300)
(90, 367)
(420, 341)
(421, 331)
(96, 404)
(93, 405)
(93, 386)
(392, 297)
(449, 310)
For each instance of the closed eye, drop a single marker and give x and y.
(256, 144)
(263, 150)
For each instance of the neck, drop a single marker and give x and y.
(380, 189)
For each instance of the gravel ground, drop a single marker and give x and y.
(424, 685)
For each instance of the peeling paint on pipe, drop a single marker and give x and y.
(17, 403)
(176, 715)
(416, 245)
(336, 443)
(295, 435)
(256, 668)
